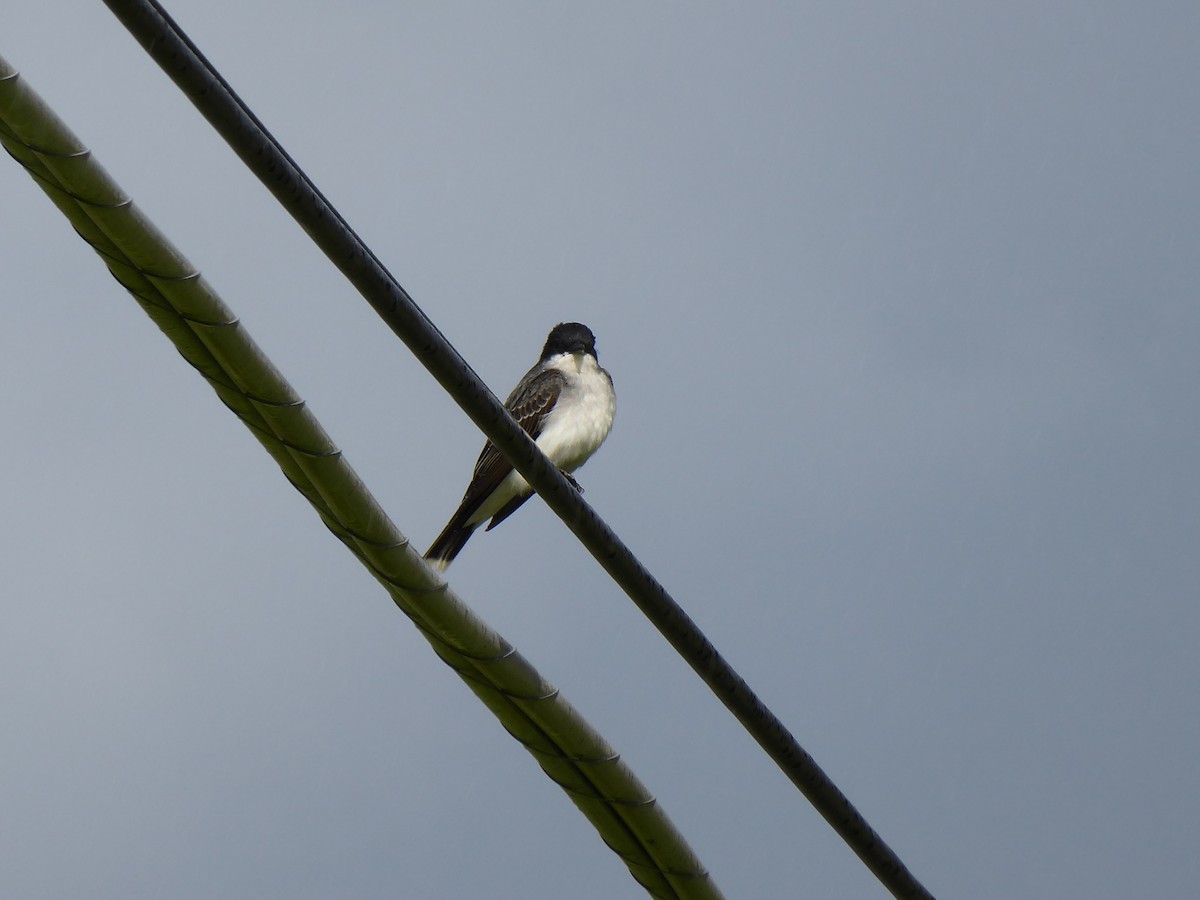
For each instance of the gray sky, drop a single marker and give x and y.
(901, 305)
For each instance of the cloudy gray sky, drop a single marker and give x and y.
(901, 304)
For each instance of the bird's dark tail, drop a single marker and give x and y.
(447, 544)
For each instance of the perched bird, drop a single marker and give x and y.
(566, 404)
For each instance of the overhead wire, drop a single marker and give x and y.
(187, 66)
(211, 339)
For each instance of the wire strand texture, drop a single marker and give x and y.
(211, 339)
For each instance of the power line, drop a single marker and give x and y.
(209, 337)
(183, 62)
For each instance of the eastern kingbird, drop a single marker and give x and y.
(566, 404)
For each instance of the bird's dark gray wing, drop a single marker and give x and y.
(529, 403)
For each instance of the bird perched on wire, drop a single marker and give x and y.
(566, 404)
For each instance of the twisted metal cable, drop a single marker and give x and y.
(212, 340)
(183, 62)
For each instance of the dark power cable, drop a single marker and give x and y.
(208, 91)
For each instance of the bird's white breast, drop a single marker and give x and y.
(583, 415)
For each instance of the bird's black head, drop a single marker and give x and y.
(569, 337)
